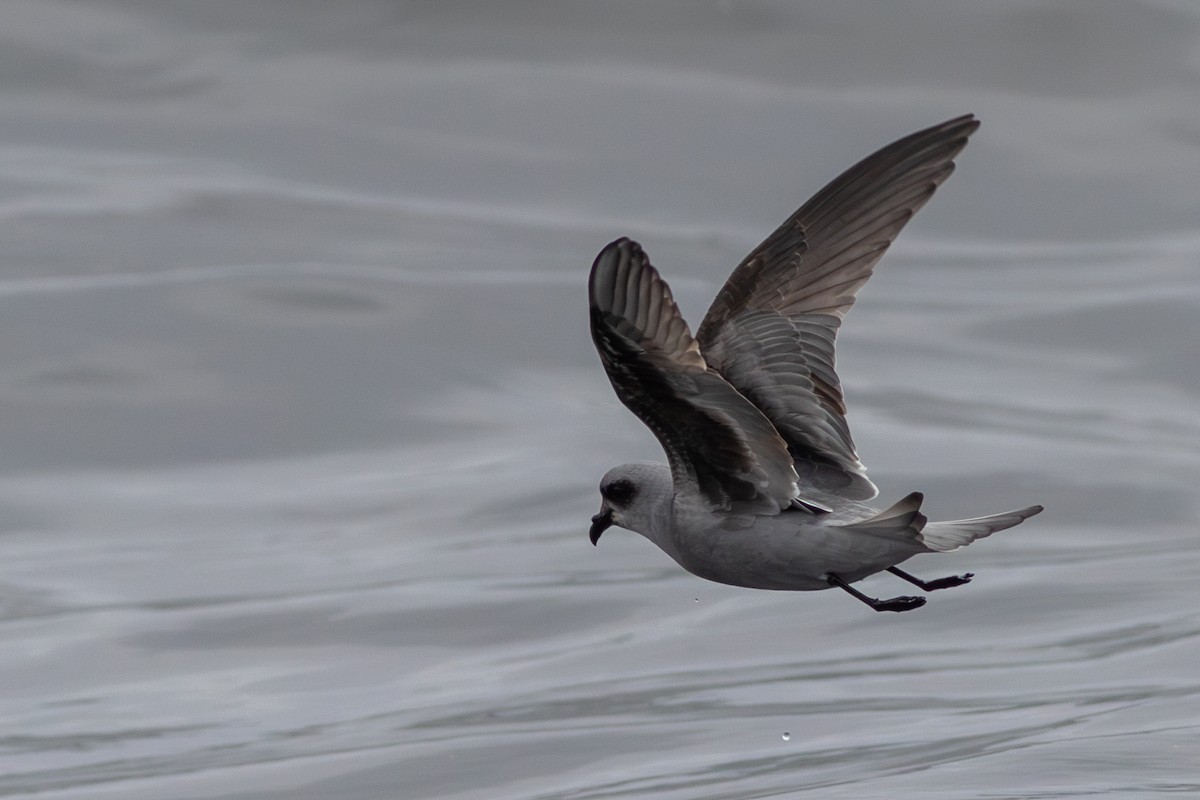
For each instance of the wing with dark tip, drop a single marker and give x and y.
(771, 329)
(718, 444)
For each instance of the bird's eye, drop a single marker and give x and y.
(620, 492)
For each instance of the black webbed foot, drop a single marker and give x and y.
(937, 583)
(905, 603)
(890, 604)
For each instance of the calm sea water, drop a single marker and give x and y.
(300, 423)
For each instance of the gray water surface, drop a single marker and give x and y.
(301, 426)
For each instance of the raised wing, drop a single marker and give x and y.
(771, 329)
(718, 444)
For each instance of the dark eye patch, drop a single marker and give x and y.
(620, 492)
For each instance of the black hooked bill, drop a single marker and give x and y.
(600, 523)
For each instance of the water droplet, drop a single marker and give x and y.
(787, 737)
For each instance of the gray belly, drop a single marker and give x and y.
(791, 558)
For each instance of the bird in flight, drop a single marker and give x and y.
(763, 487)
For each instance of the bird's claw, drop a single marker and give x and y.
(898, 604)
(947, 582)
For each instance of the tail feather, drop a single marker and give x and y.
(953, 534)
(903, 520)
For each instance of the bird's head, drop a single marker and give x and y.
(634, 497)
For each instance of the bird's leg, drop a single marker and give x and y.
(929, 586)
(891, 604)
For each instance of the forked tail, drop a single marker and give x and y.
(953, 534)
(904, 520)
